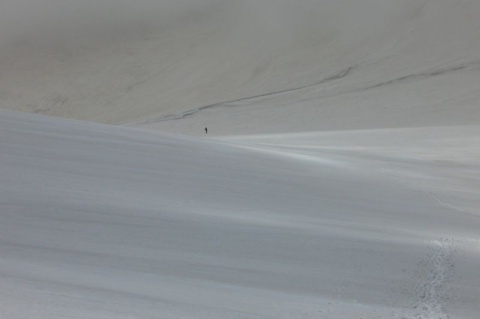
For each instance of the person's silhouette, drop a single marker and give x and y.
(206, 130)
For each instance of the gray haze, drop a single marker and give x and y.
(47, 21)
(75, 21)
(168, 62)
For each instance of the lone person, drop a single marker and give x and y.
(206, 130)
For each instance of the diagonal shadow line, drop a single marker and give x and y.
(191, 112)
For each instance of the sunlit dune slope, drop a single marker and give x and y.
(100, 222)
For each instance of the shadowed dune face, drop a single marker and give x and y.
(123, 61)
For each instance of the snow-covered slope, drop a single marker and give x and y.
(106, 222)
(312, 65)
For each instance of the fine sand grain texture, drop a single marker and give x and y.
(339, 179)
(99, 221)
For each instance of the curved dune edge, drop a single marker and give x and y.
(102, 221)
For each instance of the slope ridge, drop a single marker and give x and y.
(99, 220)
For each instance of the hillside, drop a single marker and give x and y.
(245, 66)
(105, 222)
(339, 179)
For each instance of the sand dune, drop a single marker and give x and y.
(411, 63)
(106, 222)
(339, 177)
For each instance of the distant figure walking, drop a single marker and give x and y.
(206, 130)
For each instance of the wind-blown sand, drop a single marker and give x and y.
(105, 222)
(340, 176)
